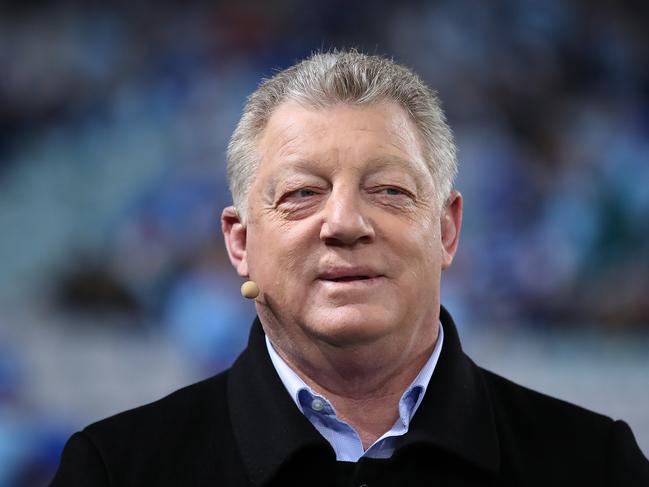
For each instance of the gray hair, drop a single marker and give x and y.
(325, 79)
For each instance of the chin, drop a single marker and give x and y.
(351, 325)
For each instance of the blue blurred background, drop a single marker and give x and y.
(114, 285)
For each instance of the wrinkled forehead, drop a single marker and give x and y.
(378, 136)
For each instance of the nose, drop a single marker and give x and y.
(345, 222)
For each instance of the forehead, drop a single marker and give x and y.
(374, 136)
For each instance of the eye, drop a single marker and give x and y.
(392, 191)
(302, 193)
(391, 195)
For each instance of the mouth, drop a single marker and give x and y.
(349, 278)
(351, 274)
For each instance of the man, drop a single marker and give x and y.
(341, 171)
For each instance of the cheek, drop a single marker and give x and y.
(420, 254)
(278, 256)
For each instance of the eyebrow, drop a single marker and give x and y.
(305, 166)
(376, 163)
(411, 168)
(386, 162)
(299, 166)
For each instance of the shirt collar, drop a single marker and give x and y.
(302, 394)
(455, 415)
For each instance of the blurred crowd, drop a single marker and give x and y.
(113, 128)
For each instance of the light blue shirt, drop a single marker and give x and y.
(341, 436)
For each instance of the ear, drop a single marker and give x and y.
(451, 223)
(234, 232)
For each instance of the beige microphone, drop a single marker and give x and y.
(250, 290)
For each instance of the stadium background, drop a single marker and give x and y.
(114, 286)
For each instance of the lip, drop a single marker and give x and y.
(349, 274)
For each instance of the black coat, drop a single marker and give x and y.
(241, 428)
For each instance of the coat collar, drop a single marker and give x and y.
(268, 428)
(455, 415)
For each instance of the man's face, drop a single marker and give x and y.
(344, 236)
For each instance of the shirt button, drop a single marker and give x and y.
(318, 405)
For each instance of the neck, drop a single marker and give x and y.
(364, 383)
(371, 406)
